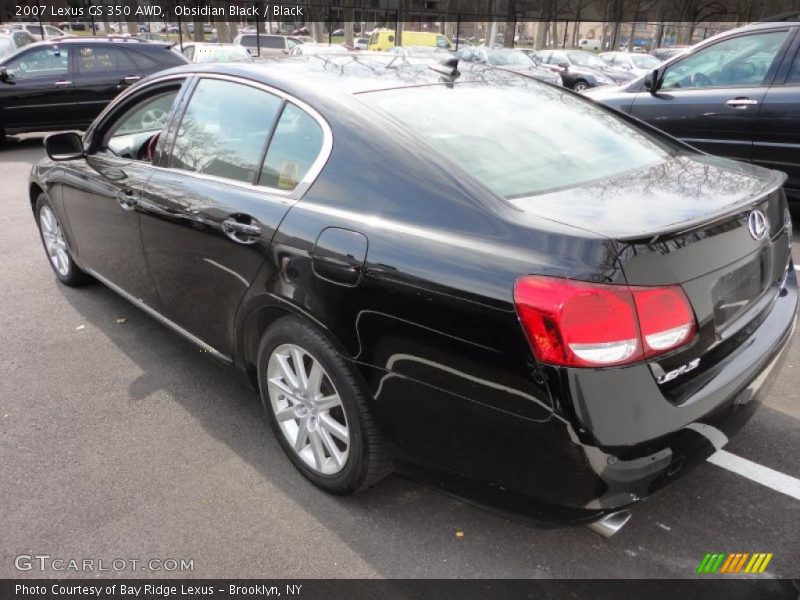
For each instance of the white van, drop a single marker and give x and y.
(590, 45)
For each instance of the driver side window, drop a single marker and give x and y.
(49, 61)
(742, 61)
(135, 134)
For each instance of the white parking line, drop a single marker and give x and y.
(770, 478)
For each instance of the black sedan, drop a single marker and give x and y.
(65, 83)
(736, 95)
(495, 309)
(581, 70)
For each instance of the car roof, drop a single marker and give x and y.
(72, 40)
(324, 75)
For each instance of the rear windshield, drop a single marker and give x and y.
(521, 139)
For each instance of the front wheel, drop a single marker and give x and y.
(317, 409)
(55, 244)
(580, 86)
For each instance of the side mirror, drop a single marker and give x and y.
(64, 146)
(651, 81)
(4, 75)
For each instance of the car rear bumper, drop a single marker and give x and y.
(637, 441)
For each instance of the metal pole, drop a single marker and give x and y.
(458, 27)
(180, 32)
(39, 16)
(91, 16)
(258, 37)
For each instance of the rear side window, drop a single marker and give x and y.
(224, 130)
(272, 41)
(249, 40)
(295, 145)
(103, 59)
(141, 61)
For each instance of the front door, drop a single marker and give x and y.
(710, 98)
(39, 91)
(103, 212)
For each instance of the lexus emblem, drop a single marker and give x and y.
(757, 223)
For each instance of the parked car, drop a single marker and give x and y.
(590, 45)
(205, 52)
(265, 44)
(580, 70)
(636, 64)
(510, 59)
(361, 43)
(383, 39)
(736, 95)
(75, 26)
(421, 52)
(12, 40)
(152, 37)
(38, 31)
(667, 52)
(312, 49)
(490, 305)
(65, 84)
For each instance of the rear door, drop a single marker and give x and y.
(210, 215)
(39, 91)
(777, 138)
(101, 72)
(710, 98)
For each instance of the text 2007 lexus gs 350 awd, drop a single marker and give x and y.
(482, 281)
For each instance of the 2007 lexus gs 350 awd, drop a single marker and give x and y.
(484, 282)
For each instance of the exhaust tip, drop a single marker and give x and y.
(611, 523)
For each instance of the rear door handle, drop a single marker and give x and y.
(741, 103)
(239, 230)
(131, 79)
(62, 83)
(127, 199)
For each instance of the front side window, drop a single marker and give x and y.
(51, 61)
(135, 133)
(742, 61)
(224, 130)
(513, 150)
(294, 147)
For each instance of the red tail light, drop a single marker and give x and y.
(580, 324)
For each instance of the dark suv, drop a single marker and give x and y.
(736, 95)
(65, 83)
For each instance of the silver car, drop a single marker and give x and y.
(265, 44)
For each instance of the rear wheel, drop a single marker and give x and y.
(317, 409)
(580, 86)
(55, 244)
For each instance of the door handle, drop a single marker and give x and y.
(127, 199)
(741, 103)
(240, 231)
(131, 79)
(62, 83)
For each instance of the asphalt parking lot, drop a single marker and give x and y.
(121, 440)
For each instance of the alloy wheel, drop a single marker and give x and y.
(308, 409)
(54, 241)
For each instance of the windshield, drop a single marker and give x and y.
(586, 59)
(645, 61)
(516, 151)
(500, 58)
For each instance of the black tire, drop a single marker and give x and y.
(367, 461)
(73, 276)
(580, 83)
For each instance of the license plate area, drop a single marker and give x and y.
(733, 293)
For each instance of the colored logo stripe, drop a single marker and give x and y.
(733, 563)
